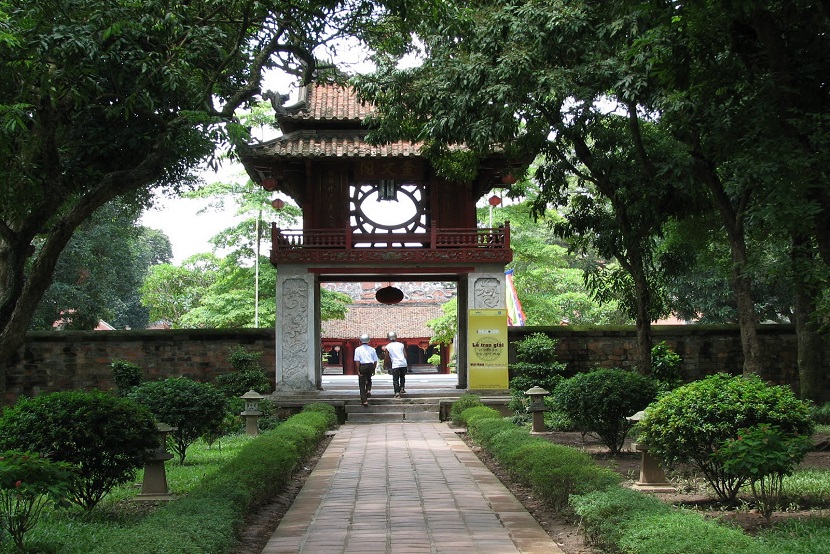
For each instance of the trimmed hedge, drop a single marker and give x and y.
(554, 472)
(614, 518)
(208, 519)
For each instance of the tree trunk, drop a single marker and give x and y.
(732, 220)
(811, 370)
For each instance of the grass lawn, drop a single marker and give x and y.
(72, 531)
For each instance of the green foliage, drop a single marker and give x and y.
(623, 520)
(820, 414)
(665, 366)
(209, 517)
(248, 374)
(692, 422)
(105, 437)
(798, 536)
(536, 366)
(464, 401)
(28, 483)
(601, 401)
(477, 412)
(763, 456)
(126, 376)
(193, 408)
(537, 349)
(445, 327)
(100, 270)
(553, 471)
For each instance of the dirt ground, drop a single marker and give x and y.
(566, 533)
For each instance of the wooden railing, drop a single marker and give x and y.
(434, 239)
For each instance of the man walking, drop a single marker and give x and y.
(366, 359)
(396, 352)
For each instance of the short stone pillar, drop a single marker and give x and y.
(154, 485)
(538, 408)
(652, 476)
(251, 413)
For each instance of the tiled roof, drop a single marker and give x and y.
(407, 321)
(327, 101)
(331, 144)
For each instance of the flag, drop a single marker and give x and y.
(515, 315)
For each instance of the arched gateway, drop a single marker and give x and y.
(370, 213)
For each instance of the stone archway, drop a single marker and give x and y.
(298, 348)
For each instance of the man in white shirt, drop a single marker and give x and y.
(366, 359)
(396, 352)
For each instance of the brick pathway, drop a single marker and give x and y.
(405, 488)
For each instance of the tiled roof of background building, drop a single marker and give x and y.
(406, 321)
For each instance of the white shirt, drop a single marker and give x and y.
(365, 354)
(397, 354)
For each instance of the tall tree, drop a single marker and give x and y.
(101, 100)
(99, 272)
(548, 78)
(738, 88)
(743, 86)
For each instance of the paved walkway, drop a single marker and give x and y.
(405, 488)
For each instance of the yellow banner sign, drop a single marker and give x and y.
(487, 349)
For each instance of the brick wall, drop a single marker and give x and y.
(54, 361)
(705, 349)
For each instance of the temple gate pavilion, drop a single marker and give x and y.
(371, 213)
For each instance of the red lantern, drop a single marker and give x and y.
(278, 204)
(269, 184)
(494, 200)
(508, 178)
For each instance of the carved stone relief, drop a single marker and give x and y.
(295, 333)
(488, 293)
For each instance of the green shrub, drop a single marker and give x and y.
(485, 423)
(691, 422)
(535, 366)
(105, 437)
(248, 374)
(820, 414)
(557, 420)
(540, 452)
(555, 484)
(604, 515)
(193, 408)
(623, 520)
(665, 367)
(209, 518)
(471, 416)
(28, 483)
(600, 401)
(464, 401)
(764, 456)
(126, 376)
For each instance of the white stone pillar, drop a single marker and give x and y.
(299, 365)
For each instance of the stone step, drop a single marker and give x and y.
(387, 417)
(392, 409)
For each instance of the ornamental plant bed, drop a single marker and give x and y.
(691, 491)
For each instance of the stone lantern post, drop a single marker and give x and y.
(251, 413)
(154, 485)
(652, 476)
(538, 408)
